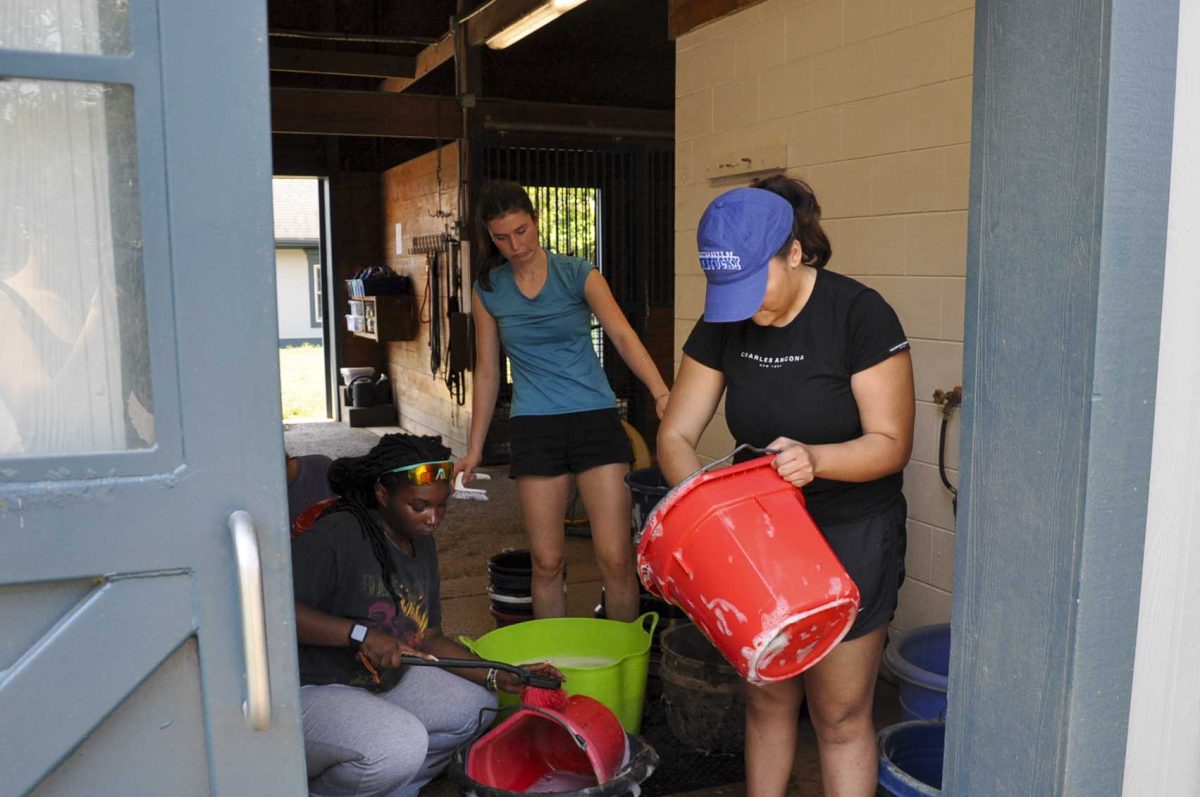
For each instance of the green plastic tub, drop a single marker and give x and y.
(603, 659)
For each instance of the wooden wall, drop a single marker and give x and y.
(410, 196)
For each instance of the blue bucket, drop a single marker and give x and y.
(921, 661)
(910, 758)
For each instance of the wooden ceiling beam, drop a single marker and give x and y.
(429, 59)
(498, 114)
(687, 15)
(333, 62)
(364, 113)
(497, 16)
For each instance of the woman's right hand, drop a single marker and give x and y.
(384, 650)
(467, 464)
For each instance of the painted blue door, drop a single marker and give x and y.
(146, 639)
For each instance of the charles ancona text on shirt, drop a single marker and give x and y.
(714, 260)
(772, 362)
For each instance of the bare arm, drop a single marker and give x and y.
(694, 400)
(628, 344)
(485, 385)
(886, 407)
(442, 647)
(315, 627)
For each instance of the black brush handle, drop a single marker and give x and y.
(526, 677)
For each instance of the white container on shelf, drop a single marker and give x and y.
(350, 374)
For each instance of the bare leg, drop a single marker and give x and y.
(772, 716)
(607, 500)
(543, 506)
(841, 695)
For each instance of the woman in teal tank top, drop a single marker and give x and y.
(539, 305)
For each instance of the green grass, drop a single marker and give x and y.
(302, 379)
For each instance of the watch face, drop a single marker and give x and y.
(358, 633)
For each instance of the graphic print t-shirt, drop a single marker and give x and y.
(794, 381)
(335, 572)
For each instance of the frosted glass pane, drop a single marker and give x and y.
(92, 27)
(74, 351)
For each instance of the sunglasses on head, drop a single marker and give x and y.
(424, 473)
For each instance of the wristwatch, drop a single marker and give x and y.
(358, 634)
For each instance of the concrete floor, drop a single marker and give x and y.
(474, 531)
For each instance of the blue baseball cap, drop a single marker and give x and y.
(738, 234)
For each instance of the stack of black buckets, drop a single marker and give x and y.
(509, 577)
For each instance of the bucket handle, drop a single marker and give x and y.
(467, 643)
(721, 461)
(653, 618)
(729, 456)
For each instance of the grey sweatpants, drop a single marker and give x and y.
(392, 743)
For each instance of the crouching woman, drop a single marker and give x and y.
(368, 593)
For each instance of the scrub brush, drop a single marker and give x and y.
(541, 697)
(464, 493)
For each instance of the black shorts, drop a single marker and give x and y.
(551, 445)
(872, 551)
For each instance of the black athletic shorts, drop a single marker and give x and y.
(872, 551)
(551, 445)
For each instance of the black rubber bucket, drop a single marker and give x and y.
(648, 487)
(706, 704)
(510, 576)
(510, 573)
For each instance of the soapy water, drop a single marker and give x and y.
(560, 781)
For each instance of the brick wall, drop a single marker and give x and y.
(410, 196)
(870, 101)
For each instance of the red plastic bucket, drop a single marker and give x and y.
(736, 549)
(577, 745)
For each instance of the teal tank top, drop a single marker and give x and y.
(548, 340)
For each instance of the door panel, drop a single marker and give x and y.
(63, 668)
(142, 406)
(160, 722)
(28, 612)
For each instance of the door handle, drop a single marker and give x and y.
(257, 705)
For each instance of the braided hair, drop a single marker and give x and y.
(354, 480)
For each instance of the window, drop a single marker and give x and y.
(316, 293)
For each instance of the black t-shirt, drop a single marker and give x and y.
(334, 570)
(794, 381)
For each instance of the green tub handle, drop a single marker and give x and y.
(467, 643)
(653, 618)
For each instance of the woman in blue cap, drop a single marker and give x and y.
(815, 366)
(539, 304)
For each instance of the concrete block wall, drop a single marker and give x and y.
(869, 101)
(411, 197)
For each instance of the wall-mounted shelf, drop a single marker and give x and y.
(742, 164)
(382, 318)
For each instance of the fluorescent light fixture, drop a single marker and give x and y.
(541, 16)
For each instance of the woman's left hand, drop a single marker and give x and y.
(795, 462)
(660, 404)
(509, 682)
